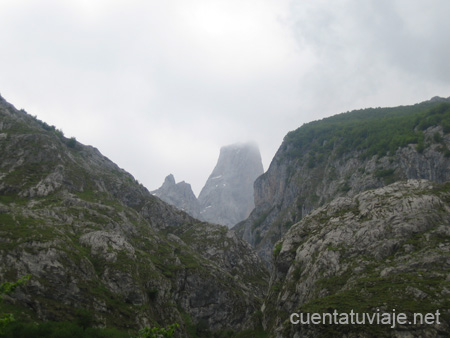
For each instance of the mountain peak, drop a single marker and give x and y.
(179, 195)
(227, 197)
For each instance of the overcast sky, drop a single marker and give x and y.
(159, 86)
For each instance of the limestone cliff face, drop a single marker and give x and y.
(380, 250)
(227, 197)
(179, 195)
(93, 238)
(337, 157)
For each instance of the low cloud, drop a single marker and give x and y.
(158, 87)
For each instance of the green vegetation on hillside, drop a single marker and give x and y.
(372, 131)
(6, 288)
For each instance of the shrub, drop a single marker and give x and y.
(158, 332)
(72, 142)
(277, 249)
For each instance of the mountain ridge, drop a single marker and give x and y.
(343, 155)
(93, 238)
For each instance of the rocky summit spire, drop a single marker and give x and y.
(227, 197)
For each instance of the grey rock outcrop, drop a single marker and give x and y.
(179, 195)
(227, 197)
(386, 249)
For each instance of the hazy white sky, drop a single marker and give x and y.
(160, 86)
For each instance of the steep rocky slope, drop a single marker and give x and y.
(382, 250)
(342, 156)
(179, 195)
(93, 238)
